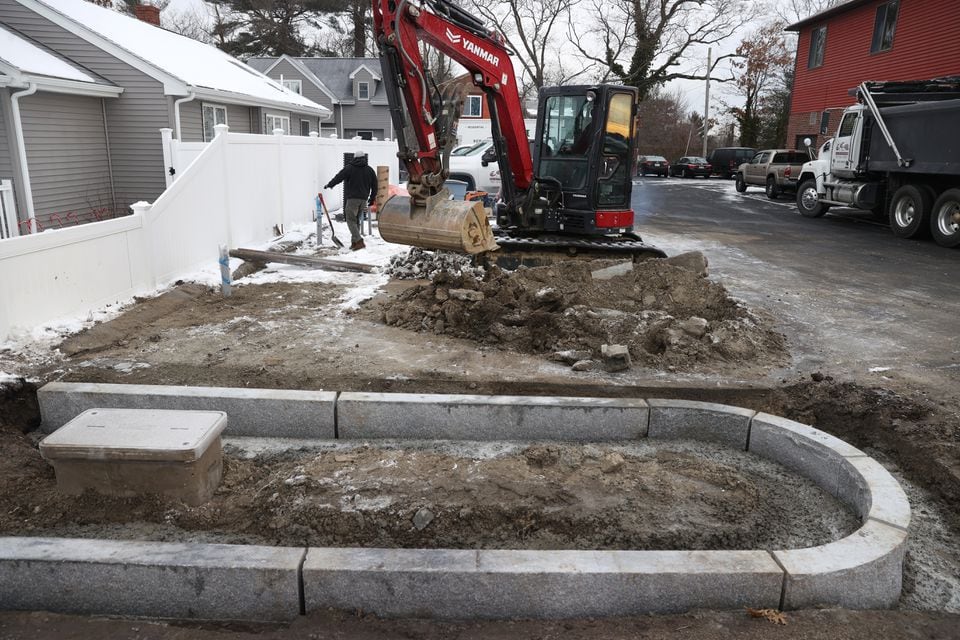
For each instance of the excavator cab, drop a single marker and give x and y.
(581, 160)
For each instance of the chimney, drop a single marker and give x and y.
(147, 13)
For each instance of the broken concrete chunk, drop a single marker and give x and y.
(442, 295)
(616, 357)
(422, 518)
(611, 463)
(583, 365)
(692, 261)
(466, 294)
(570, 356)
(694, 326)
(607, 273)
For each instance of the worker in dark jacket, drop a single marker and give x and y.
(359, 191)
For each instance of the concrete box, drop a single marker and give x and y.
(474, 417)
(128, 452)
(153, 579)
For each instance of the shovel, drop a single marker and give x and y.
(333, 234)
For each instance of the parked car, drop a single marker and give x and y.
(691, 167)
(657, 165)
(776, 170)
(471, 167)
(726, 160)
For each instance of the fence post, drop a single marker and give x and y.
(166, 139)
(278, 136)
(142, 209)
(220, 137)
(9, 226)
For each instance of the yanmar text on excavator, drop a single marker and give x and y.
(571, 194)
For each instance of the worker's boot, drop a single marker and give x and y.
(357, 245)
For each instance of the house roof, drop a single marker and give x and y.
(24, 61)
(183, 64)
(827, 13)
(335, 74)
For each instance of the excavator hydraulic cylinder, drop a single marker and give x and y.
(450, 225)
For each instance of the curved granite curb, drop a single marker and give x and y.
(863, 570)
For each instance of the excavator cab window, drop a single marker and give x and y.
(568, 130)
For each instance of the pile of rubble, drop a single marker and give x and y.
(588, 314)
(421, 264)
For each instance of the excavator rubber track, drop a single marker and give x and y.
(540, 250)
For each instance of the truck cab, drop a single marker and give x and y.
(896, 154)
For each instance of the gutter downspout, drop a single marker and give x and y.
(22, 152)
(176, 113)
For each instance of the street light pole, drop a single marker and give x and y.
(706, 105)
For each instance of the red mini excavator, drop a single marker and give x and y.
(571, 194)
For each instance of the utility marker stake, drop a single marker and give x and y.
(225, 278)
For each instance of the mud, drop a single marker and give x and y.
(669, 317)
(639, 496)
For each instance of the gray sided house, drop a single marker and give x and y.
(350, 87)
(84, 92)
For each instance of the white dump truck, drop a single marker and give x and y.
(897, 154)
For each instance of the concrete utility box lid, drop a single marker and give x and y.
(135, 434)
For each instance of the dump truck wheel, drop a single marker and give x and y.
(945, 221)
(808, 200)
(910, 210)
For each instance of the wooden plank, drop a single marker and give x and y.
(303, 261)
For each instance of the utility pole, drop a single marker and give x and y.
(706, 105)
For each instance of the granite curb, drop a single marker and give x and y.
(863, 570)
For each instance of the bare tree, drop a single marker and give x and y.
(190, 22)
(646, 43)
(762, 63)
(790, 11)
(532, 29)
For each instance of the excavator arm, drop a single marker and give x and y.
(432, 115)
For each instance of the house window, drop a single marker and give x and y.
(818, 42)
(363, 90)
(304, 127)
(293, 85)
(884, 26)
(473, 106)
(365, 135)
(278, 122)
(213, 114)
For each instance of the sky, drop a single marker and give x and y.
(692, 91)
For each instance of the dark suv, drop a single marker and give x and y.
(726, 160)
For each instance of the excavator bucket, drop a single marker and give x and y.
(450, 225)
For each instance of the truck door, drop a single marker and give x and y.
(843, 162)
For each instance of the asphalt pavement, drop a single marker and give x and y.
(852, 299)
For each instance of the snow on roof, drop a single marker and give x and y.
(196, 64)
(33, 59)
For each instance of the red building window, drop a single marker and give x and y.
(818, 43)
(884, 26)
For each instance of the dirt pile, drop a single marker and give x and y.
(639, 496)
(668, 316)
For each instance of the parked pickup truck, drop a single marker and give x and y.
(776, 170)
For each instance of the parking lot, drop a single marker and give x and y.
(853, 299)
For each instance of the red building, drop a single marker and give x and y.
(866, 40)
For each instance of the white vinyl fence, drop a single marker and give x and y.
(234, 192)
(8, 211)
